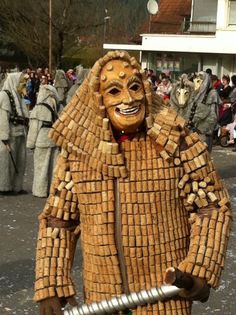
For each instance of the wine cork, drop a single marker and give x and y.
(191, 199)
(201, 193)
(212, 196)
(195, 186)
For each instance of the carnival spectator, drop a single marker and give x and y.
(216, 82)
(164, 88)
(71, 76)
(31, 89)
(232, 132)
(225, 89)
(225, 114)
(209, 71)
(81, 74)
(232, 95)
(151, 76)
(44, 80)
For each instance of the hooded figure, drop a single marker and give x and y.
(181, 96)
(204, 108)
(13, 129)
(81, 74)
(140, 190)
(61, 84)
(43, 115)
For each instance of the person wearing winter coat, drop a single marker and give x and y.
(45, 151)
(203, 106)
(13, 131)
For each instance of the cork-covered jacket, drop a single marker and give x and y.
(139, 207)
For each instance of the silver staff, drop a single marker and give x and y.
(125, 302)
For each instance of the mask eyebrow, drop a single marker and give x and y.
(134, 79)
(113, 83)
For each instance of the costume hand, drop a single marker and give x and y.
(50, 306)
(53, 305)
(196, 289)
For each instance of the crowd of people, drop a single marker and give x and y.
(52, 93)
(226, 92)
(41, 76)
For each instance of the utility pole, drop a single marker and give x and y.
(50, 38)
(106, 21)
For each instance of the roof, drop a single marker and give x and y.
(169, 18)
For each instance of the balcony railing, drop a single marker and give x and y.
(202, 27)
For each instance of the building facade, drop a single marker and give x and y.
(203, 38)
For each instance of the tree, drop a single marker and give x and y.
(75, 24)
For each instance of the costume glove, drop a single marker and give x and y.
(195, 289)
(53, 305)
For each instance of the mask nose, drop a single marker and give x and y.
(127, 100)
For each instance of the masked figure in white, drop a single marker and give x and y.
(13, 129)
(45, 152)
(61, 84)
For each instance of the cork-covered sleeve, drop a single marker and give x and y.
(59, 230)
(207, 200)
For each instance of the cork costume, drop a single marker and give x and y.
(139, 207)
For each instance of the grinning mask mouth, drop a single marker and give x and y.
(127, 110)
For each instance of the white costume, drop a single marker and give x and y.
(13, 121)
(61, 84)
(45, 152)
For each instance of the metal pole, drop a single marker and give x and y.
(125, 302)
(50, 38)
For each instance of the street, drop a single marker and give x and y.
(19, 226)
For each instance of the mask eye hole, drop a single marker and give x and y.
(114, 91)
(135, 87)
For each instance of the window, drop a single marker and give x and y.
(232, 12)
(204, 11)
(203, 16)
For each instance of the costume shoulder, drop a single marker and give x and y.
(168, 130)
(41, 112)
(5, 101)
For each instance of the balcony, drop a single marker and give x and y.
(199, 27)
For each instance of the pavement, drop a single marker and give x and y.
(19, 226)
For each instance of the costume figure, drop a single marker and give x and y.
(181, 94)
(200, 107)
(140, 190)
(42, 117)
(204, 108)
(81, 74)
(13, 129)
(61, 84)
